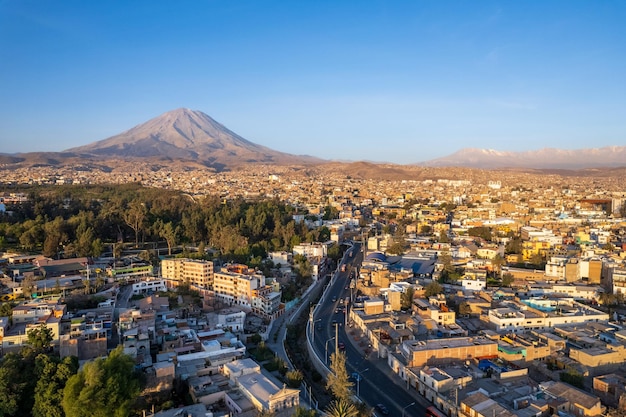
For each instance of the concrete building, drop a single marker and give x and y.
(541, 314)
(149, 286)
(480, 405)
(437, 351)
(188, 271)
(573, 400)
(263, 392)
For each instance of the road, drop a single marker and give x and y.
(378, 383)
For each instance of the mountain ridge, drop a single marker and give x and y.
(545, 158)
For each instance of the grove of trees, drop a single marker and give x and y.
(68, 221)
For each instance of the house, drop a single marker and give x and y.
(572, 400)
(261, 390)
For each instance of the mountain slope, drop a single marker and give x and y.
(610, 156)
(188, 135)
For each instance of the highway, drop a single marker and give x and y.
(378, 383)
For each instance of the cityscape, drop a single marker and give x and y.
(312, 209)
(472, 292)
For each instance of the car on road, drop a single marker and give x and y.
(355, 377)
(382, 409)
(341, 346)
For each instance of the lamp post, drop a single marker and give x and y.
(313, 330)
(358, 380)
(326, 349)
(413, 403)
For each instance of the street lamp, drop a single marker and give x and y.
(413, 403)
(358, 380)
(326, 349)
(313, 330)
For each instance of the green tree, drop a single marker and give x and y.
(330, 213)
(433, 288)
(513, 246)
(304, 412)
(168, 232)
(55, 236)
(537, 260)
(103, 388)
(28, 286)
(52, 375)
(6, 310)
(396, 248)
(17, 383)
(40, 338)
(465, 308)
(446, 260)
(406, 299)
(498, 261)
(294, 378)
(426, 229)
(342, 408)
(337, 381)
(507, 279)
(481, 231)
(135, 217)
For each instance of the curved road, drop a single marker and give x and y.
(379, 384)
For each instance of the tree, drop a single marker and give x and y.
(481, 231)
(40, 338)
(135, 217)
(330, 213)
(433, 288)
(465, 308)
(406, 299)
(103, 388)
(52, 375)
(168, 232)
(507, 279)
(426, 229)
(537, 260)
(304, 412)
(342, 408)
(338, 382)
(446, 260)
(497, 262)
(396, 248)
(6, 310)
(513, 246)
(294, 378)
(17, 382)
(28, 286)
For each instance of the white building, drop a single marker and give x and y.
(474, 283)
(149, 286)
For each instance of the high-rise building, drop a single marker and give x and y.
(188, 272)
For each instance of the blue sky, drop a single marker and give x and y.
(398, 81)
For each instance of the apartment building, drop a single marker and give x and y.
(240, 286)
(188, 272)
(236, 288)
